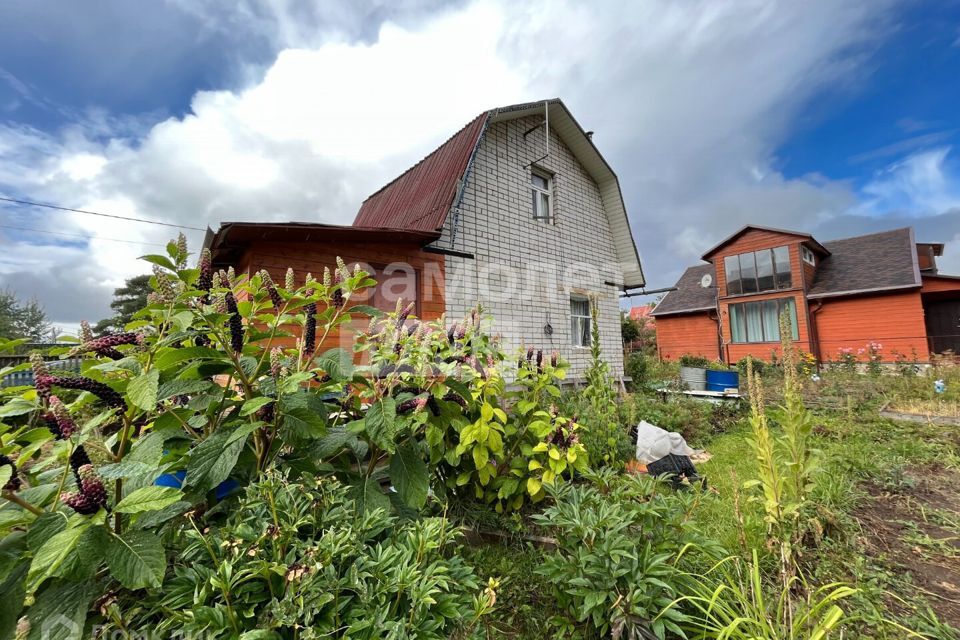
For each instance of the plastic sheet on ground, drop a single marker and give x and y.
(654, 443)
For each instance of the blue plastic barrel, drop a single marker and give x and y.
(722, 380)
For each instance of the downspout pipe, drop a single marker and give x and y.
(815, 333)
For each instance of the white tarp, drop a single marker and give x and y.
(654, 443)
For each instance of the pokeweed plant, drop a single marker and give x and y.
(195, 397)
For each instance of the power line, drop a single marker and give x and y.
(97, 213)
(78, 235)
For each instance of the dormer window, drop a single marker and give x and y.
(541, 184)
(808, 256)
(758, 271)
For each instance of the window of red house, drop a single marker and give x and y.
(758, 271)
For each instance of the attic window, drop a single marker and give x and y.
(541, 187)
(808, 256)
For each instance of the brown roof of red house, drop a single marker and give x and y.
(874, 262)
(689, 295)
(420, 198)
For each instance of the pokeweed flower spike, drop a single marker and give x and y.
(452, 396)
(41, 376)
(327, 278)
(402, 318)
(78, 458)
(181, 250)
(92, 494)
(337, 297)
(271, 289)
(13, 484)
(342, 268)
(86, 333)
(412, 405)
(554, 359)
(452, 333)
(539, 361)
(65, 424)
(51, 421)
(529, 354)
(231, 277)
(105, 346)
(110, 397)
(205, 267)
(290, 280)
(236, 324)
(461, 332)
(164, 290)
(275, 364)
(310, 328)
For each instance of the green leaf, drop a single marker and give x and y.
(60, 610)
(150, 498)
(159, 260)
(337, 363)
(169, 357)
(45, 527)
(366, 310)
(6, 472)
(253, 404)
(304, 422)
(368, 496)
(136, 559)
(12, 593)
(410, 476)
(533, 486)
(51, 556)
(16, 407)
(142, 390)
(380, 423)
(212, 460)
(181, 387)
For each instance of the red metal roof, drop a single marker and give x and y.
(419, 199)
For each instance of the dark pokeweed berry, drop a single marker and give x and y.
(236, 324)
(80, 503)
(81, 383)
(91, 495)
(452, 396)
(310, 328)
(51, 421)
(266, 412)
(397, 348)
(104, 346)
(205, 267)
(404, 314)
(461, 332)
(412, 405)
(271, 288)
(13, 484)
(554, 359)
(539, 361)
(337, 298)
(433, 405)
(459, 359)
(78, 459)
(65, 424)
(452, 333)
(529, 354)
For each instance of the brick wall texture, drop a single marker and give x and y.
(525, 270)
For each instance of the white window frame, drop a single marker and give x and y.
(808, 256)
(548, 193)
(580, 325)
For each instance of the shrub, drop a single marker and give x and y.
(637, 366)
(602, 431)
(297, 559)
(687, 360)
(618, 547)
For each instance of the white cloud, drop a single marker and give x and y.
(689, 101)
(922, 184)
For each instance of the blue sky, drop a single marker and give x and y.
(827, 116)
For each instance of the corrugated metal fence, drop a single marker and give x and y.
(25, 378)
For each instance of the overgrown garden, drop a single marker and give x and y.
(209, 474)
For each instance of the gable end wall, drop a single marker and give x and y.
(518, 270)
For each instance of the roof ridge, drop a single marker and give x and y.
(867, 235)
(424, 158)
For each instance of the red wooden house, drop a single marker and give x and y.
(840, 296)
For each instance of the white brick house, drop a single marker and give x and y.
(530, 228)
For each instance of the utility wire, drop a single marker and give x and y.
(97, 213)
(79, 235)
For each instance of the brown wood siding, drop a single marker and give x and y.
(694, 334)
(755, 240)
(894, 320)
(933, 284)
(311, 257)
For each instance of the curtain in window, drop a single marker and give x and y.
(738, 327)
(771, 321)
(754, 322)
(791, 309)
(580, 322)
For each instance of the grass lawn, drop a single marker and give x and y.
(887, 517)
